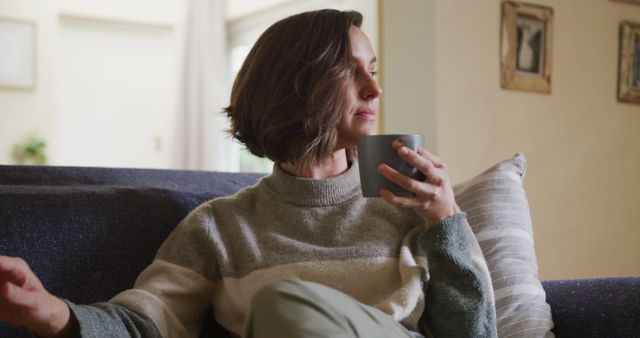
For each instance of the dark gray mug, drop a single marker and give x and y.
(374, 150)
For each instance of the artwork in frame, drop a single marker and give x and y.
(629, 63)
(526, 47)
(17, 51)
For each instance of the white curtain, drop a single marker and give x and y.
(201, 142)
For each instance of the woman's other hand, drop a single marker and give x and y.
(434, 200)
(25, 302)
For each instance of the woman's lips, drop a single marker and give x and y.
(367, 114)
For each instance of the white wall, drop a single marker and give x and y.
(24, 112)
(136, 44)
(582, 145)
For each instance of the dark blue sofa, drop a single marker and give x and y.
(88, 232)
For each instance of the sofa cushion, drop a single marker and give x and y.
(498, 212)
(595, 307)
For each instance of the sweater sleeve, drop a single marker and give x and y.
(111, 320)
(459, 300)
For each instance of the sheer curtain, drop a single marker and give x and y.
(201, 142)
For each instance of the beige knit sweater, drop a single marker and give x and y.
(316, 230)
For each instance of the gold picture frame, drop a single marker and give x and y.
(526, 47)
(629, 63)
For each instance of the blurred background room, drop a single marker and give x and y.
(142, 83)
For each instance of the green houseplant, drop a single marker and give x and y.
(31, 151)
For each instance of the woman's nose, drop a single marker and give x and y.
(370, 89)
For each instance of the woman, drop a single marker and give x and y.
(301, 253)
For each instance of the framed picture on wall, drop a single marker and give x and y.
(629, 63)
(526, 47)
(17, 54)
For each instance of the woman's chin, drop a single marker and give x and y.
(370, 130)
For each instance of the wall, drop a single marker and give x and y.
(24, 112)
(407, 68)
(582, 145)
(64, 107)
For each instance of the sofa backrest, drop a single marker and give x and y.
(88, 232)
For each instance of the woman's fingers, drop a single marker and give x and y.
(396, 144)
(426, 166)
(424, 192)
(24, 301)
(405, 182)
(431, 169)
(15, 302)
(437, 161)
(434, 199)
(420, 158)
(403, 202)
(22, 307)
(13, 270)
(17, 296)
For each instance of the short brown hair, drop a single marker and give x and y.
(289, 93)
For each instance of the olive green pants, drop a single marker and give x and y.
(296, 309)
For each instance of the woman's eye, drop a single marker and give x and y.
(373, 72)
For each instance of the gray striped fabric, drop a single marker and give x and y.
(498, 212)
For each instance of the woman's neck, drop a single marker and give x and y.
(335, 165)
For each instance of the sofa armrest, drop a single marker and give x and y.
(599, 307)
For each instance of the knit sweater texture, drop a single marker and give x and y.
(285, 227)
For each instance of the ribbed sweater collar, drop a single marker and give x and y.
(314, 192)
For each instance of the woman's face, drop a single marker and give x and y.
(362, 91)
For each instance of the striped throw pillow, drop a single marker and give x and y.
(498, 212)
